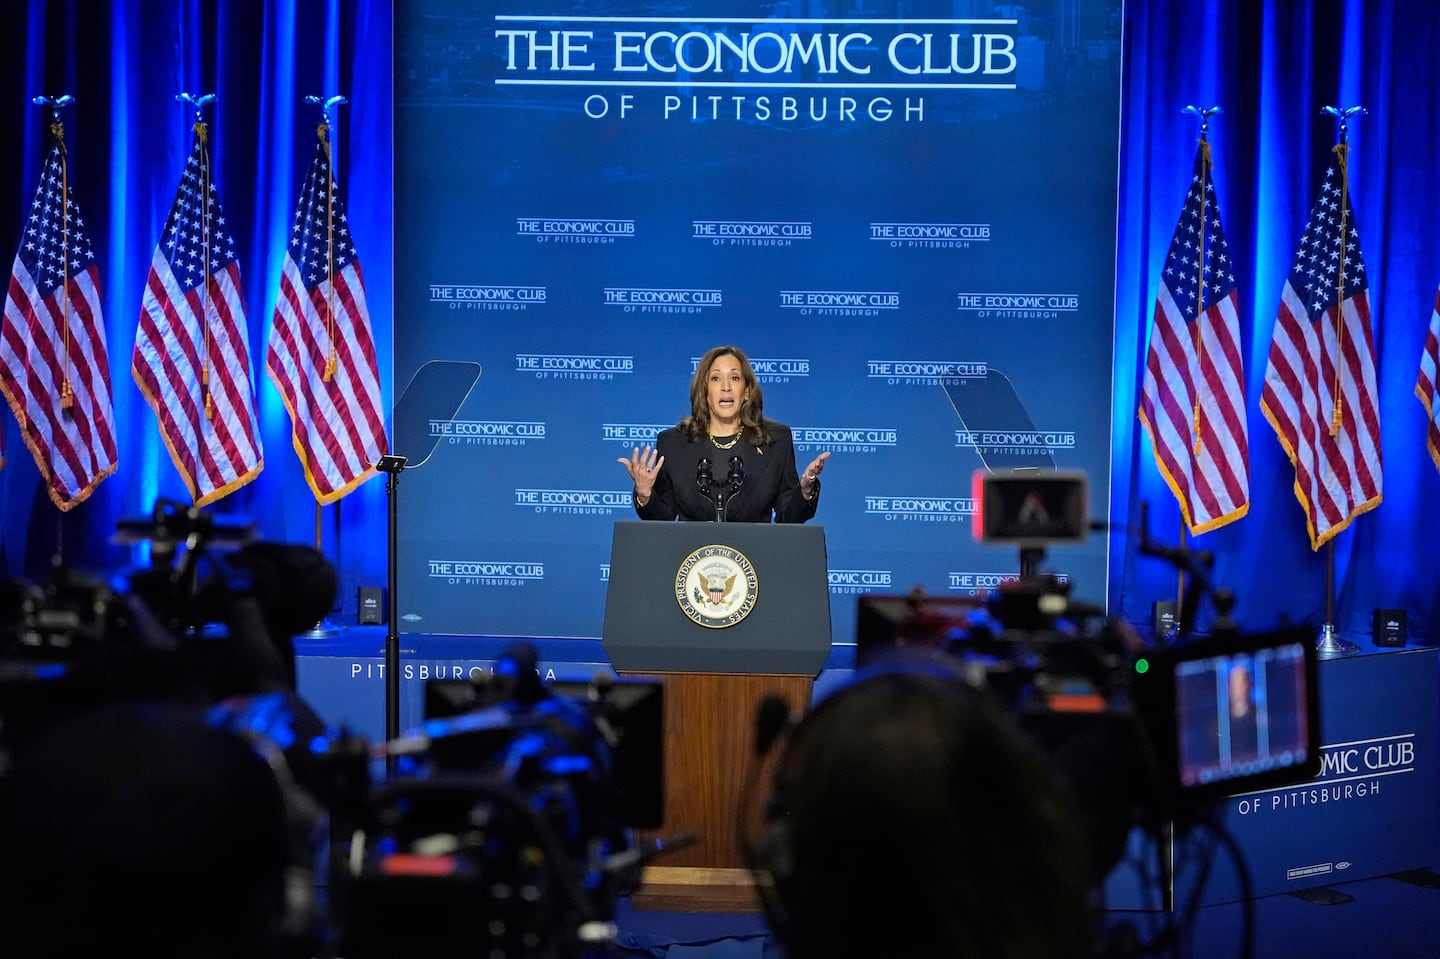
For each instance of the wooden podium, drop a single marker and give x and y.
(715, 677)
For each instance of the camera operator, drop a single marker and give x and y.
(158, 790)
(911, 818)
(137, 827)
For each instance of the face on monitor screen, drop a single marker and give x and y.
(1241, 714)
(1244, 712)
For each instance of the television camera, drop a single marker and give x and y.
(1149, 733)
(501, 827)
(505, 827)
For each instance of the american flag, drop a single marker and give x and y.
(54, 365)
(322, 356)
(1320, 393)
(1428, 387)
(192, 351)
(1193, 397)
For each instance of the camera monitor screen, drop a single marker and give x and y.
(1245, 713)
(1031, 507)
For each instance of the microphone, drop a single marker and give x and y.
(736, 477)
(703, 477)
(772, 718)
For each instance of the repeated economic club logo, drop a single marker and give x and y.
(761, 233)
(486, 572)
(572, 230)
(840, 302)
(716, 586)
(649, 299)
(926, 372)
(772, 369)
(574, 366)
(920, 509)
(845, 439)
(1017, 306)
(487, 432)
(847, 581)
(494, 296)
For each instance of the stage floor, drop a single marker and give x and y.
(1381, 917)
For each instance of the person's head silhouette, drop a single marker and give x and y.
(138, 827)
(912, 818)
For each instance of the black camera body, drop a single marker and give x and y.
(1147, 734)
(504, 827)
(1143, 735)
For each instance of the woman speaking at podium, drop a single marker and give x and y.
(725, 461)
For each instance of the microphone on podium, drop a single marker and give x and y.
(736, 477)
(703, 477)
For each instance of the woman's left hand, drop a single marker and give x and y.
(811, 476)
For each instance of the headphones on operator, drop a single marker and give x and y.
(906, 803)
(771, 855)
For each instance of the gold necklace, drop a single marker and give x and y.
(733, 440)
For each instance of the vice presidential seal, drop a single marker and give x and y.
(716, 586)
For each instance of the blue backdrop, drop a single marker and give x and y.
(1270, 65)
(876, 212)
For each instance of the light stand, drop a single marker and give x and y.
(392, 467)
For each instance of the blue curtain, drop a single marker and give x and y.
(128, 139)
(1269, 64)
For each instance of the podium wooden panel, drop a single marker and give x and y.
(715, 784)
(715, 677)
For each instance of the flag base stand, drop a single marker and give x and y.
(325, 629)
(1330, 645)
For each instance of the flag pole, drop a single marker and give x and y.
(202, 136)
(53, 311)
(67, 390)
(327, 628)
(1329, 644)
(57, 127)
(1204, 113)
(57, 130)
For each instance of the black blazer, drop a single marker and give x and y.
(771, 490)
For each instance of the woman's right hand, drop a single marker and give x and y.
(643, 466)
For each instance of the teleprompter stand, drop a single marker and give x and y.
(435, 394)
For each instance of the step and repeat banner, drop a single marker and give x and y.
(904, 214)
